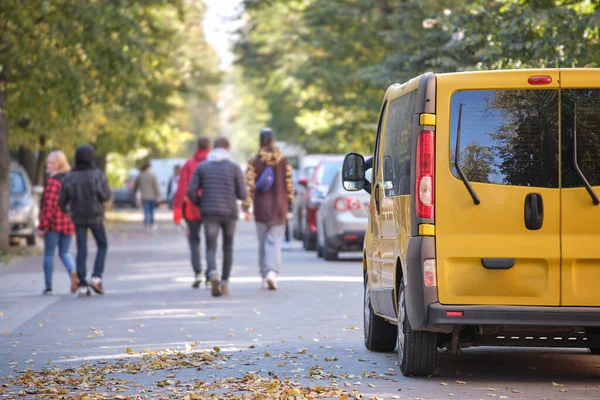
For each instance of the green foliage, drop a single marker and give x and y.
(109, 73)
(322, 66)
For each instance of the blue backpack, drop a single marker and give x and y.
(265, 180)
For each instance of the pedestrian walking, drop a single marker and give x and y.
(172, 186)
(147, 184)
(56, 227)
(184, 208)
(83, 194)
(271, 192)
(221, 183)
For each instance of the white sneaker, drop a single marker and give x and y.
(271, 280)
(84, 291)
(286, 246)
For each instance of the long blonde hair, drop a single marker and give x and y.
(59, 158)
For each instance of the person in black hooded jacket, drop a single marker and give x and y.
(83, 193)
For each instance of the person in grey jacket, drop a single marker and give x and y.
(83, 194)
(147, 184)
(215, 187)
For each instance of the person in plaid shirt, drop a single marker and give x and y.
(56, 227)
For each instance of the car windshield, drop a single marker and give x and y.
(17, 183)
(327, 172)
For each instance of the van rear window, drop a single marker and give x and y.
(508, 137)
(581, 116)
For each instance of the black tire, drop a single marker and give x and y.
(309, 243)
(380, 335)
(329, 252)
(417, 350)
(595, 350)
(319, 250)
(31, 240)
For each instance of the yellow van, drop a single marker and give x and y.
(484, 225)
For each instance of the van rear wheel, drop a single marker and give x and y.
(417, 351)
(380, 335)
(595, 350)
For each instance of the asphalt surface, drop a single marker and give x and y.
(310, 330)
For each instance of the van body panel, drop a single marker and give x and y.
(580, 218)
(466, 233)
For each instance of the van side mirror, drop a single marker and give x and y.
(353, 172)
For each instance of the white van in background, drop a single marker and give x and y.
(164, 169)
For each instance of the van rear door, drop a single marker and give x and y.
(580, 217)
(506, 249)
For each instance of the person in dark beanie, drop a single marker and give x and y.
(221, 183)
(184, 208)
(270, 189)
(82, 195)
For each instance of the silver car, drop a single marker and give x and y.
(342, 221)
(23, 205)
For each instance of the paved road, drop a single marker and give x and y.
(309, 331)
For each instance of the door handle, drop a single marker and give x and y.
(498, 263)
(534, 211)
(376, 198)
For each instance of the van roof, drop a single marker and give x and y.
(510, 77)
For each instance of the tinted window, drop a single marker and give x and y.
(583, 107)
(327, 172)
(397, 152)
(508, 137)
(375, 164)
(17, 183)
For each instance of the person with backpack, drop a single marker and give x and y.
(184, 209)
(83, 194)
(56, 227)
(217, 185)
(271, 191)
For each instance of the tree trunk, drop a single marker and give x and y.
(4, 170)
(28, 162)
(40, 170)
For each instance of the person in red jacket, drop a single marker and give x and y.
(184, 208)
(56, 227)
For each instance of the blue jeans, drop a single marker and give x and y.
(99, 234)
(149, 206)
(52, 240)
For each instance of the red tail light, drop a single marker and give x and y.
(425, 183)
(345, 204)
(454, 313)
(539, 80)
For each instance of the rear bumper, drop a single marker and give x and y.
(348, 240)
(515, 315)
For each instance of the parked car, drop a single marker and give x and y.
(304, 175)
(314, 196)
(342, 220)
(125, 196)
(501, 250)
(23, 205)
